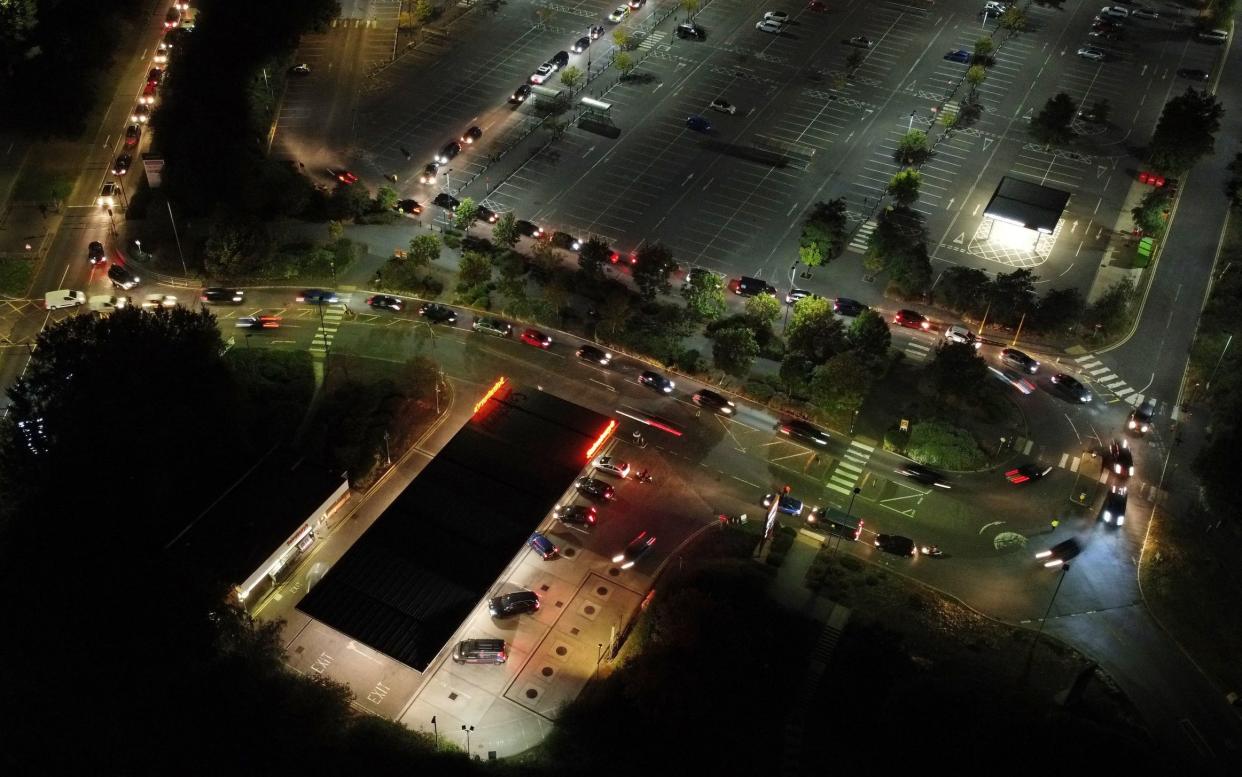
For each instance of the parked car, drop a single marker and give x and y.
(596, 489)
(911, 319)
(545, 547)
(613, 466)
(896, 544)
(578, 515)
(722, 105)
(959, 55)
(438, 314)
(514, 603)
(699, 124)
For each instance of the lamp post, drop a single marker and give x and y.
(138, 244)
(436, 731)
(111, 222)
(793, 271)
(910, 124)
(1208, 384)
(467, 729)
(177, 237)
(1030, 654)
(387, 453)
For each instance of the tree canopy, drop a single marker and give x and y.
(814, 331)
(1186, 131)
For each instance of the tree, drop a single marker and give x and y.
(1052, 125)
(336, 231)
(424, 249)
(958, 372)
(348, 202)
(1014, 20)
(544, 260)
(466, 214)
(911, 270)
(1013, 296)
(869, 335)
(653, 264)
(689, 6)
(984, 48)
(898, 230)
(913, 148)
(1059, 310)
(1186, 131)
(853, 61)
(614, 312)
(423, 11)
(704, 294)
(1110, 314)
(1152, 213)
(237, 245)
(814, 330)
(624, 62)
(593, 258)
(904, 187)
(386, 198)
(734, 350)
(964, 289)
(475, 270)
(840, 385)
(975, 76)
(1099, 111)
(763, 309)
(795, 373)
(505, 231)
(621, 37)
(825, 230)
(1233, 187)
(572, 76)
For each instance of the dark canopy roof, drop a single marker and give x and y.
(1027, 204)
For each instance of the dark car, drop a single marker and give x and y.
(560, 59)
(224, 295)
(847, 307)
(520, 94)
(514, 603)
(536, 338)
(921, 474)
(318, 296)
(1139, 421)
(133, 133)
(258, 322)
(1193, 74)
(1060, 553)
(691, 31)
(581, 515)
(789, 505)
(911, 319)
(446, 201)
(590, 353)
(122, 163)
(529, 228)
(566, 241)
(408, 207)
(437, 314)
(1019, 360)
(1121, 458)
(1071, 387)
(713, 401)
(429, 173)
(1114, 510)
(155, 75)
(896, 544)
(656, 382)
(637, 548)
(545, 547)
(122, 277)
(860, 41)
(596, 489)
(749, 287)
(471, 135)
(959, 55)
(1026, 473)
(386, 302)
(486, 214)
(95, 253)
(698, 124)
(450, 150)
(803, 430)
(581, 45)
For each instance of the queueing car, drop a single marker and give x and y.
(1122, 459)
(1114, 510)
(656, 382)
(844, 306)
(1139, 421)
(618, 13)
(1019, 360)
(1071, 387)
(582, 515)
(386, 302)
(785, 504)
(713, 401)
(438, 314)
(896, 544)
(1026, 473)
(222, 294)
(962, 336)
(803, 431)
(536, 338)
(95, 253)
(911, 319)
(122, 277)
(492, 326)
(318, 297)
(594, 355)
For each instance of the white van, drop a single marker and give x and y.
(1214, 36)
(64, 298)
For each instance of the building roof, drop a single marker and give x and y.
(246, 525)
(1027, 204)
(411, 579)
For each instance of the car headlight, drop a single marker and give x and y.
(1132, 424)
(1108, 517)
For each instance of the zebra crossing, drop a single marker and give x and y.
(850, 468)
(858, 243)
(917, 351)
(1103, 376)
(650, 41)
(329, 322)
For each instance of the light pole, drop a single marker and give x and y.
(177, 237)
(467, 729)
(793, 270)
(111, 222)
(910, 125)
(435, 730)
(1030, 654)
(1208, 384)
(448, 180)
(387, 453)
(138, 243)
(850, 510)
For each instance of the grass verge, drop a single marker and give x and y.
(15, 275)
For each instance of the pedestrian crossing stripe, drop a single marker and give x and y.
(858, 244)
(850, 468)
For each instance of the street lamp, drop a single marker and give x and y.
(138, 243)
(910, 125)
(387, 453)
(467, 729)
(448, 181)
(1030, 654)
(793, 271)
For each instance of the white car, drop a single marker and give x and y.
(618, 13)
(65, 298)
(1006, 375)
(780, 17)
(1115, 11)
(769, 26)
(962, 335)
(613, 466)
(159, 301)
(107, 195)
(545, 71)
(995, 7)
(1093, 54)
(724, 106)
(106, 303)
(1145, 13)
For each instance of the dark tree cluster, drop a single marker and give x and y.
(1009, 299)
(898, 246)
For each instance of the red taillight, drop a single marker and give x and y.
(614, 257)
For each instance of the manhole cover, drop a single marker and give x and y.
(614, 571)
(589, 609)
(546, 671)
(531, 693)
(560, 651)
(602, 590)
(569, 553)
